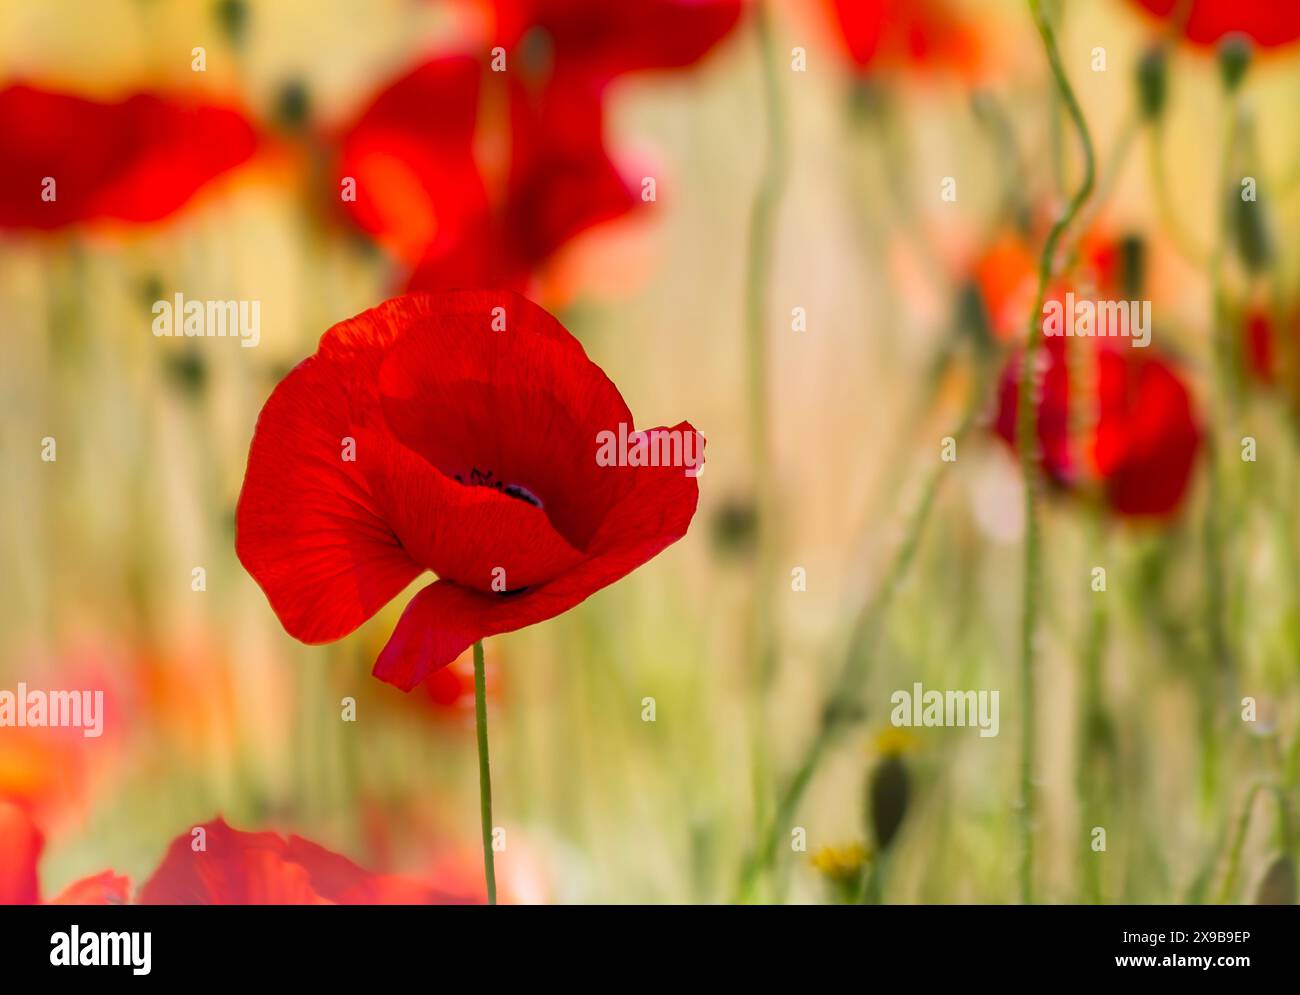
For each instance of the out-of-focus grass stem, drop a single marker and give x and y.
(1229, 885)
(842, 704)
(763, 634)
(1025, 442)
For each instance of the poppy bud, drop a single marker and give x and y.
(1234, 59)
(1278, 886)
(232, 15)
(292, 105)
(1132, 265)
(973, 316)
(889, 789)
(867, 98)
(1153, 83)
(735, 527)
(1251, 230)
(187, 370)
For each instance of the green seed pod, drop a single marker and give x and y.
(973, 316)
(1278, 886)
(889, 790)
(1153, 83)
(735, 527)
(292, 105)
(1234, 59)
(1254, 238)
(1132, 265)
(232, 15)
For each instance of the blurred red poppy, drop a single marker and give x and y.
(21, 844)
(224, 866)
(602, 40)
(459, 433)
(66, 159)
(1137, 436)
(560, 182)
(906, 34)
(1269, 23)
(405, 172)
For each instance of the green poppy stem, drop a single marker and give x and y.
(484, 773)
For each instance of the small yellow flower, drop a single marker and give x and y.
(895, 742)
(841, 863)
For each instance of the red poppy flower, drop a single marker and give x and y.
(604, 40)
(238, 868)
(410, 154)
(137, 160)
(561, 182)
(1268, 23)
(21, 844)
(419, 438)
(1139, 436)
(911, 34)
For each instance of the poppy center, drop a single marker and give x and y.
(486, 478)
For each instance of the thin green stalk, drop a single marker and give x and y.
(1239, 835)
(1025, 435)
(1095, 741)
(841, 705)
(484, 773)
(762, 617)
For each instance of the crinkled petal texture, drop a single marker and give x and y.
(465, 433)
(1270, 23)
(232, 867)
(65, 159)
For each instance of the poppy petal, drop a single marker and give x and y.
(307, 526)
(523, 404)
(443, 619)
(410, 156)
(562, 180)
(20, 849)
(137, 160)
(608, 39)
(475, 536)
(105, 888)
(232, 868)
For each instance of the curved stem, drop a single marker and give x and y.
(1026, 424)
(484, 773)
